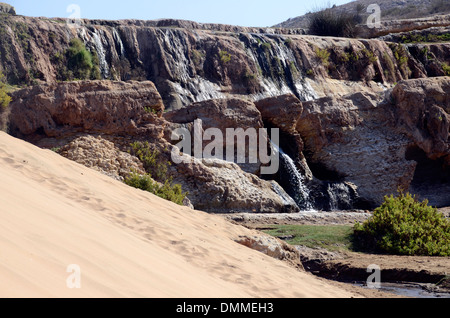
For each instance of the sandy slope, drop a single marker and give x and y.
(127, 243)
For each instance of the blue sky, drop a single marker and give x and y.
(260, 13)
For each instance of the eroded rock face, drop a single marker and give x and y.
(107, 107)
(422, 114)
(382, 142)
(354, 139)
(423, 108)
(283, 112)
(102, 155)
(111, 115)
(222, 187)
(222, 114)
(191, 62)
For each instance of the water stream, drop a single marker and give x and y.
(293, 181)
(408, 290)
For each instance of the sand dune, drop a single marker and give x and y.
(126, 242)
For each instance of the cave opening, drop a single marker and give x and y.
(431, 179)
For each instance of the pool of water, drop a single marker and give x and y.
(408, 290)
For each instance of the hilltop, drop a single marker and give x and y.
(390, 10)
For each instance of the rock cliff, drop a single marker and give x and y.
(358, 118)
(191, 62)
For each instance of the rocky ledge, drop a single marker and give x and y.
(351, 150)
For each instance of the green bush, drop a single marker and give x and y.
(150, 158)
(401, 56)
(330, 22)
(166, 191)
(155, 165)
(323, 55)
(5, 99)
(404, 226)
(266, 46)
(77, 63)
(224, 57)
(446, 68)
(81, 61)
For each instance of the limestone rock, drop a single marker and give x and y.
(383, 142)
(222, 114)
(103, 156)
(283, 112)
(222, 187)
(354, 139)
(270, 246)
(219, 113)
(423, 108)
(103, 107)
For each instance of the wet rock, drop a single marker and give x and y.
(222, 114)
(222, 187)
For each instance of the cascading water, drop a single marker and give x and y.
(188, 87)
(282, 77)
(293, 181)
(119, 42)
(104, 68)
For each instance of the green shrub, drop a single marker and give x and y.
(77, 63)
(224, 57)
(446, 68)
(401, 56)
(166, 190)
(5, 99)
(150, 158)
(402, 225)
(155, 165)
(389, 73)
(372, 58)
(266, 46)
(80, 60)
(323, 55)
(329, 22)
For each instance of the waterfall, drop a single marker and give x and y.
(101, 54)
(189, 87)
(341, 196)
(119, 42)
(283, 78)
(293, 181)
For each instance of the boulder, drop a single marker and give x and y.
(283, 112)
(354, 139)
(102, 155)
(422, 112)
(222, 187)
(270, 246)
(7, 8)
(106, 107)
(223, 114)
